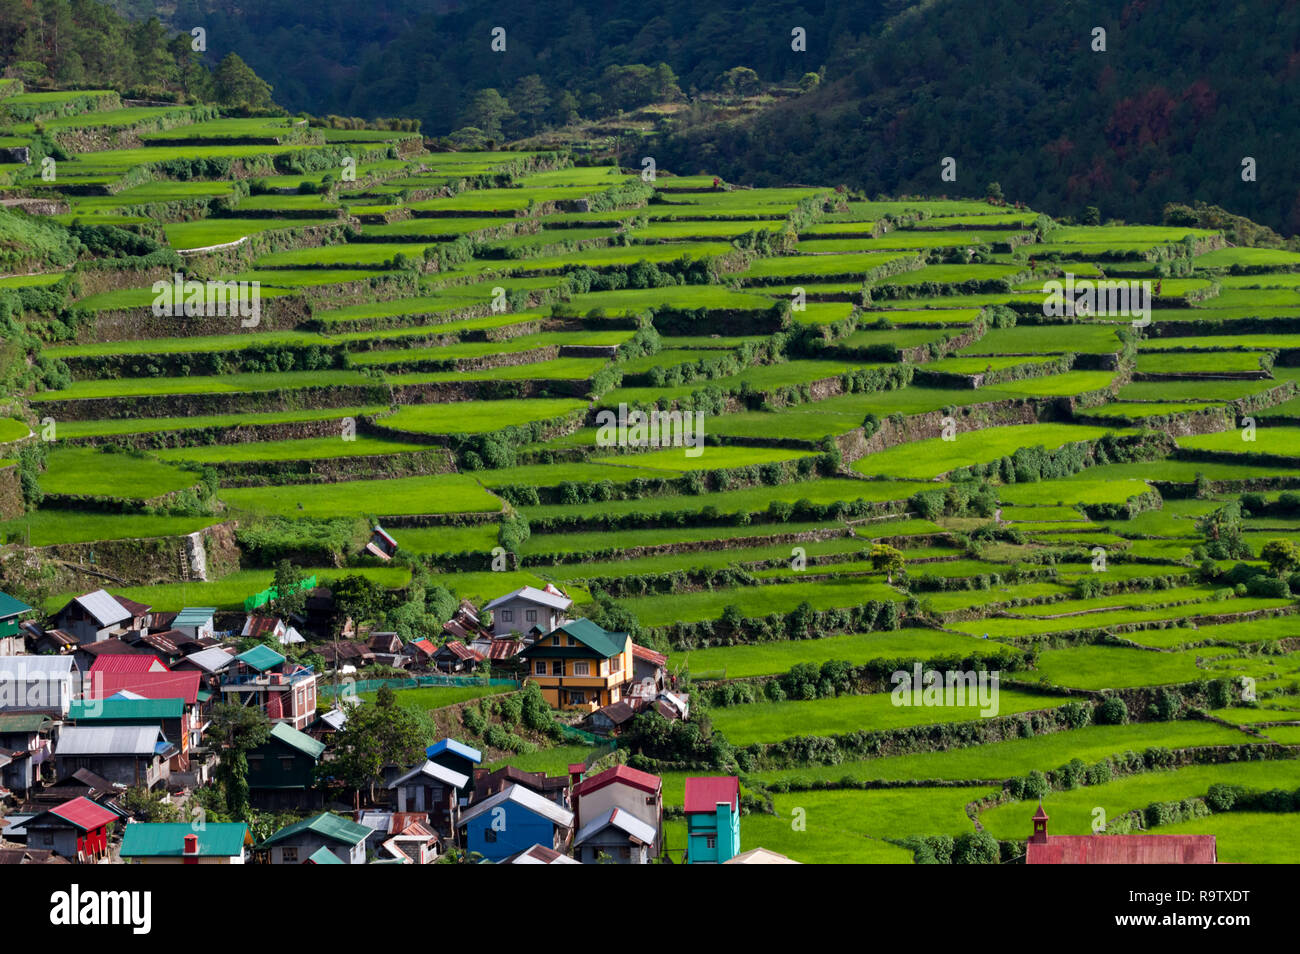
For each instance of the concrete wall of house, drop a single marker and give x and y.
(615, 795)
(616, 845)
(60, 839)
(512, 617)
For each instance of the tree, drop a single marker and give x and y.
(486, 111)
(236, 730)
(886, 559)
(290, 599)
(975, 848)
(1282, 555)
(740, 80)
(809, 82)
(238, 85)
(384, 733)
(530, 102)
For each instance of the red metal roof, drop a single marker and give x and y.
(620, 773)
(424, 646)
(129, 663)
(461, 651)
(704, 794)
(1120, 850)
(84, 813)
(649, 655)
(151, 685)
(505, 648)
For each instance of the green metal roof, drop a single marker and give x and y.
(106, 710)
(9, 606)
(590, 635)
(327, 825)
(323, 856)
(194, 616)
(261, 658)
(167, 839)
(23, 721)
(298, 740)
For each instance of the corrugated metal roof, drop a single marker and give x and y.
(84, 813)
(106, 710)
(1123, 850)
(102, 607)
(327, 825)
(434, 770)
(213, 659)
(644, 781)
(298, 740)
(108, 740)
(24, 721)
(533, 595)
(323, 856)
(525, 798)
(622, 820)
(541, 855)
(19, 667)
(194, 616)
(591, 635)
(705, 794)
(150, 685)
(167, 839)
(11, 606)
(454, 747)
(129, 662)
(261, 658)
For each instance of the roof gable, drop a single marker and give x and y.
(594, 637)
(326, 825)
(525, 799)
(102, 607)
(705, 794)
(301, 741)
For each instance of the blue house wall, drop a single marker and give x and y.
(522, 829)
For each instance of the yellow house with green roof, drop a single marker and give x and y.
(580, 665)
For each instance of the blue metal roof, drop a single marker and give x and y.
(455, 748)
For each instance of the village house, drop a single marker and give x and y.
(94, 616)
(77, 830)
(128, 663)
(168, 715)
(524, 819)
(580, 665)
(433, 789)
(12, 639)
(620, 808)
(528, 610)
(386, 649)
(414, 844)
(421, 653)
(131, 755)
(53, 642)
(282, 771)
(285, 691)
(539, 855)
(44, 683)
(196, 622)
(82, 783)
(24, 748)
(1045, 849)
(457, 756)
(554, 788)
(295, 843)
(712, 819)
(455, 656)
(761, 856)
(88, 654)
(381, 544)
(158, 686)
(182, 843)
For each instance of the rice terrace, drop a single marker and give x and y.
(920, 511)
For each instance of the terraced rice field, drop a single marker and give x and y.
(867, 455)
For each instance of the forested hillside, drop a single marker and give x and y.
(1013, 91)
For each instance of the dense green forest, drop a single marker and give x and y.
(1016, 93)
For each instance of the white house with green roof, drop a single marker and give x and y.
(11, 638)
(296, 843)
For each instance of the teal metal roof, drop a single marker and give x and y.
(323, 856)
(327, 825)
(106, 710)
(10, 606)
(299, 740)
(167, 839)
(261, 658)
(194, 616)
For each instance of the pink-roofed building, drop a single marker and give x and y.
(1045, 849)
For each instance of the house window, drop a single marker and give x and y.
(711, 842)
(616, 664)
(507, 616)
(490, 835)
(47, 838)
(578, 698)
(539, 667)
(255, 762)
(557, 667)
(289, 855)
(625, 853)
(286, 763)
(581, 669)
(570, 639)
(531, 616)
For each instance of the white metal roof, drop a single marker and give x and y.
(103, 607)
(434, 770)
(533, 595)
(108, 740)
(212, 659)
(25, 666)
(621, 819)
(524, 797)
